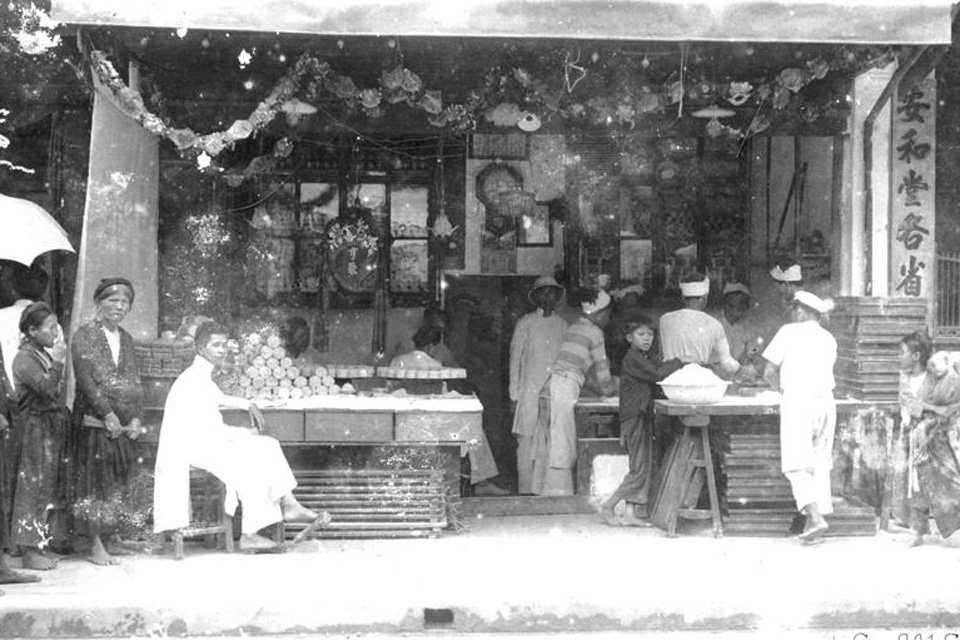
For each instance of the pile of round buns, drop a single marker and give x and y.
(268, 373)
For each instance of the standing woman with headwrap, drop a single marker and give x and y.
(107, 414)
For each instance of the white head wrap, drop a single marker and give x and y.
(601, 303)
(695, 289)
(793, 274)
(816, 303)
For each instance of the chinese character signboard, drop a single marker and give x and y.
(912, 257)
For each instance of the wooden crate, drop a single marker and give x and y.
(757, 499)
(371, 503)
(848, 519)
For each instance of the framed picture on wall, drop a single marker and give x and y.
(636, 259)
(535, 228)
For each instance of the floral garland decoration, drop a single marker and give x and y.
(402, 86)
(355, 234)
(399, 85)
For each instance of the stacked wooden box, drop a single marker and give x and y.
(757, 499)
(370, 503)
(868, 331)
(159, 363)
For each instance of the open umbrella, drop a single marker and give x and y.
(28, 230)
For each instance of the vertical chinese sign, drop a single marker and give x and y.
(912, 212)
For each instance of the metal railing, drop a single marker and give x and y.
(948, 294)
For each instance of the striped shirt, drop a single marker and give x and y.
(580, 348)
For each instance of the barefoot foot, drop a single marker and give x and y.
(255, 543)
(9, 576)
(34, 559)
(609, 517)
(293, 511)
(99, 556)
(115, 549)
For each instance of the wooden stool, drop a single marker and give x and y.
(683, 480)
(207, 495)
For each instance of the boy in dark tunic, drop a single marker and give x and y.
(642, 368)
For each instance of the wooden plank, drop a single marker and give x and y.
(525, 505)
(674, 492)
(349, 426)
(421, 426)
(283, 424)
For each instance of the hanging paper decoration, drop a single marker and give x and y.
(529, 122)
(544, 100)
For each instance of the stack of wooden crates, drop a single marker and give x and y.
(160, 362)
(868, 332)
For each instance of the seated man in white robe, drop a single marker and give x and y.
(193, 434)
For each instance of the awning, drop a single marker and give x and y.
(850, 21)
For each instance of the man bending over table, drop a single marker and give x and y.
(252, 466)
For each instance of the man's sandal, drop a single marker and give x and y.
(321, 521)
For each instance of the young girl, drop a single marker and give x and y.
(914, 353)
(642, 368)
(41, 435)
(934, 451)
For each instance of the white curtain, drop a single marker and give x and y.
(120, 218)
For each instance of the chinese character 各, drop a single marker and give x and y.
(912, 283)
(910, 233)
(911, 185)
(912, 106)
(910, 150)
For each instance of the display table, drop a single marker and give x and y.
(351, 432)
(351, 419)
(594, 416)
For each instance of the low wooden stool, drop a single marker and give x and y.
(207, 496)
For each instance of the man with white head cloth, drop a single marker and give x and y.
(789, 278)
(691, 335)
(802, 355)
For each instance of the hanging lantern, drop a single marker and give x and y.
(714, 112)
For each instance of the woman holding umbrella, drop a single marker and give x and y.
(107, 414)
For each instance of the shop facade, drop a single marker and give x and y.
(619, 179)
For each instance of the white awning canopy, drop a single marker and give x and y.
(841, 21)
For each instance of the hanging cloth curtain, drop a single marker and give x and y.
(120, 218)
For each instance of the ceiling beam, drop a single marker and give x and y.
(811, 21)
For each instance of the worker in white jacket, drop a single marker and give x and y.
(802, 355)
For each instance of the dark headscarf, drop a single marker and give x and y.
(108, 286)
(33, 316)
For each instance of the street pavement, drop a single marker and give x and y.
(512, 575)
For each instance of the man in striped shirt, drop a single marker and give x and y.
(555, 439)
